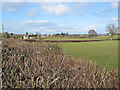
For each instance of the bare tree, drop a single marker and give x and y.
(6, 35)
(38, 35)
(0, 35)
(112, 29)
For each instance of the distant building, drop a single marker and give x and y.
(49, 36)
(31, 37)
(25, 37)
(42, 36)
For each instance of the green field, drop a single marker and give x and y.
(68, 38)
(104, 52)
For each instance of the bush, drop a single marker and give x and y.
(43, 65)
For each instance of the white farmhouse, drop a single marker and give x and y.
(25, 37)
(31, 37)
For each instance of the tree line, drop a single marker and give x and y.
(110, 28)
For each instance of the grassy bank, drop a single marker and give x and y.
(104, 52)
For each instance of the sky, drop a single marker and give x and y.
(57, 17)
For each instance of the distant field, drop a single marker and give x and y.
(68, 38)
(104, 52)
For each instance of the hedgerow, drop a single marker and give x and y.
(43, 65)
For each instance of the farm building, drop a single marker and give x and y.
(49, 36)
(25, 37)
(31, 37)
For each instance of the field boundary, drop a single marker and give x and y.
(35, 40)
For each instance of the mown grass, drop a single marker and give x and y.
(104, 52)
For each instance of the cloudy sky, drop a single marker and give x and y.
(57, 17)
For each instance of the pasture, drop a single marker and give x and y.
(103, 52)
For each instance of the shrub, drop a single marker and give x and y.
(43, 65)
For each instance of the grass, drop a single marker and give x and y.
(104, 52)
(68, 38)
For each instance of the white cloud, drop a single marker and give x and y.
(57, 10)
(10, 10)
(91, 26)
(105, 11)
(31, 12)
(11, 6)
(42, 26)
(113, 20)
(89, 16)
(37, 21)
(60, 0)
(114, 4)
(12, 0)
(83, 4)
(29, 26)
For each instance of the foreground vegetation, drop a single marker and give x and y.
(43, 65)
(103, 52)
